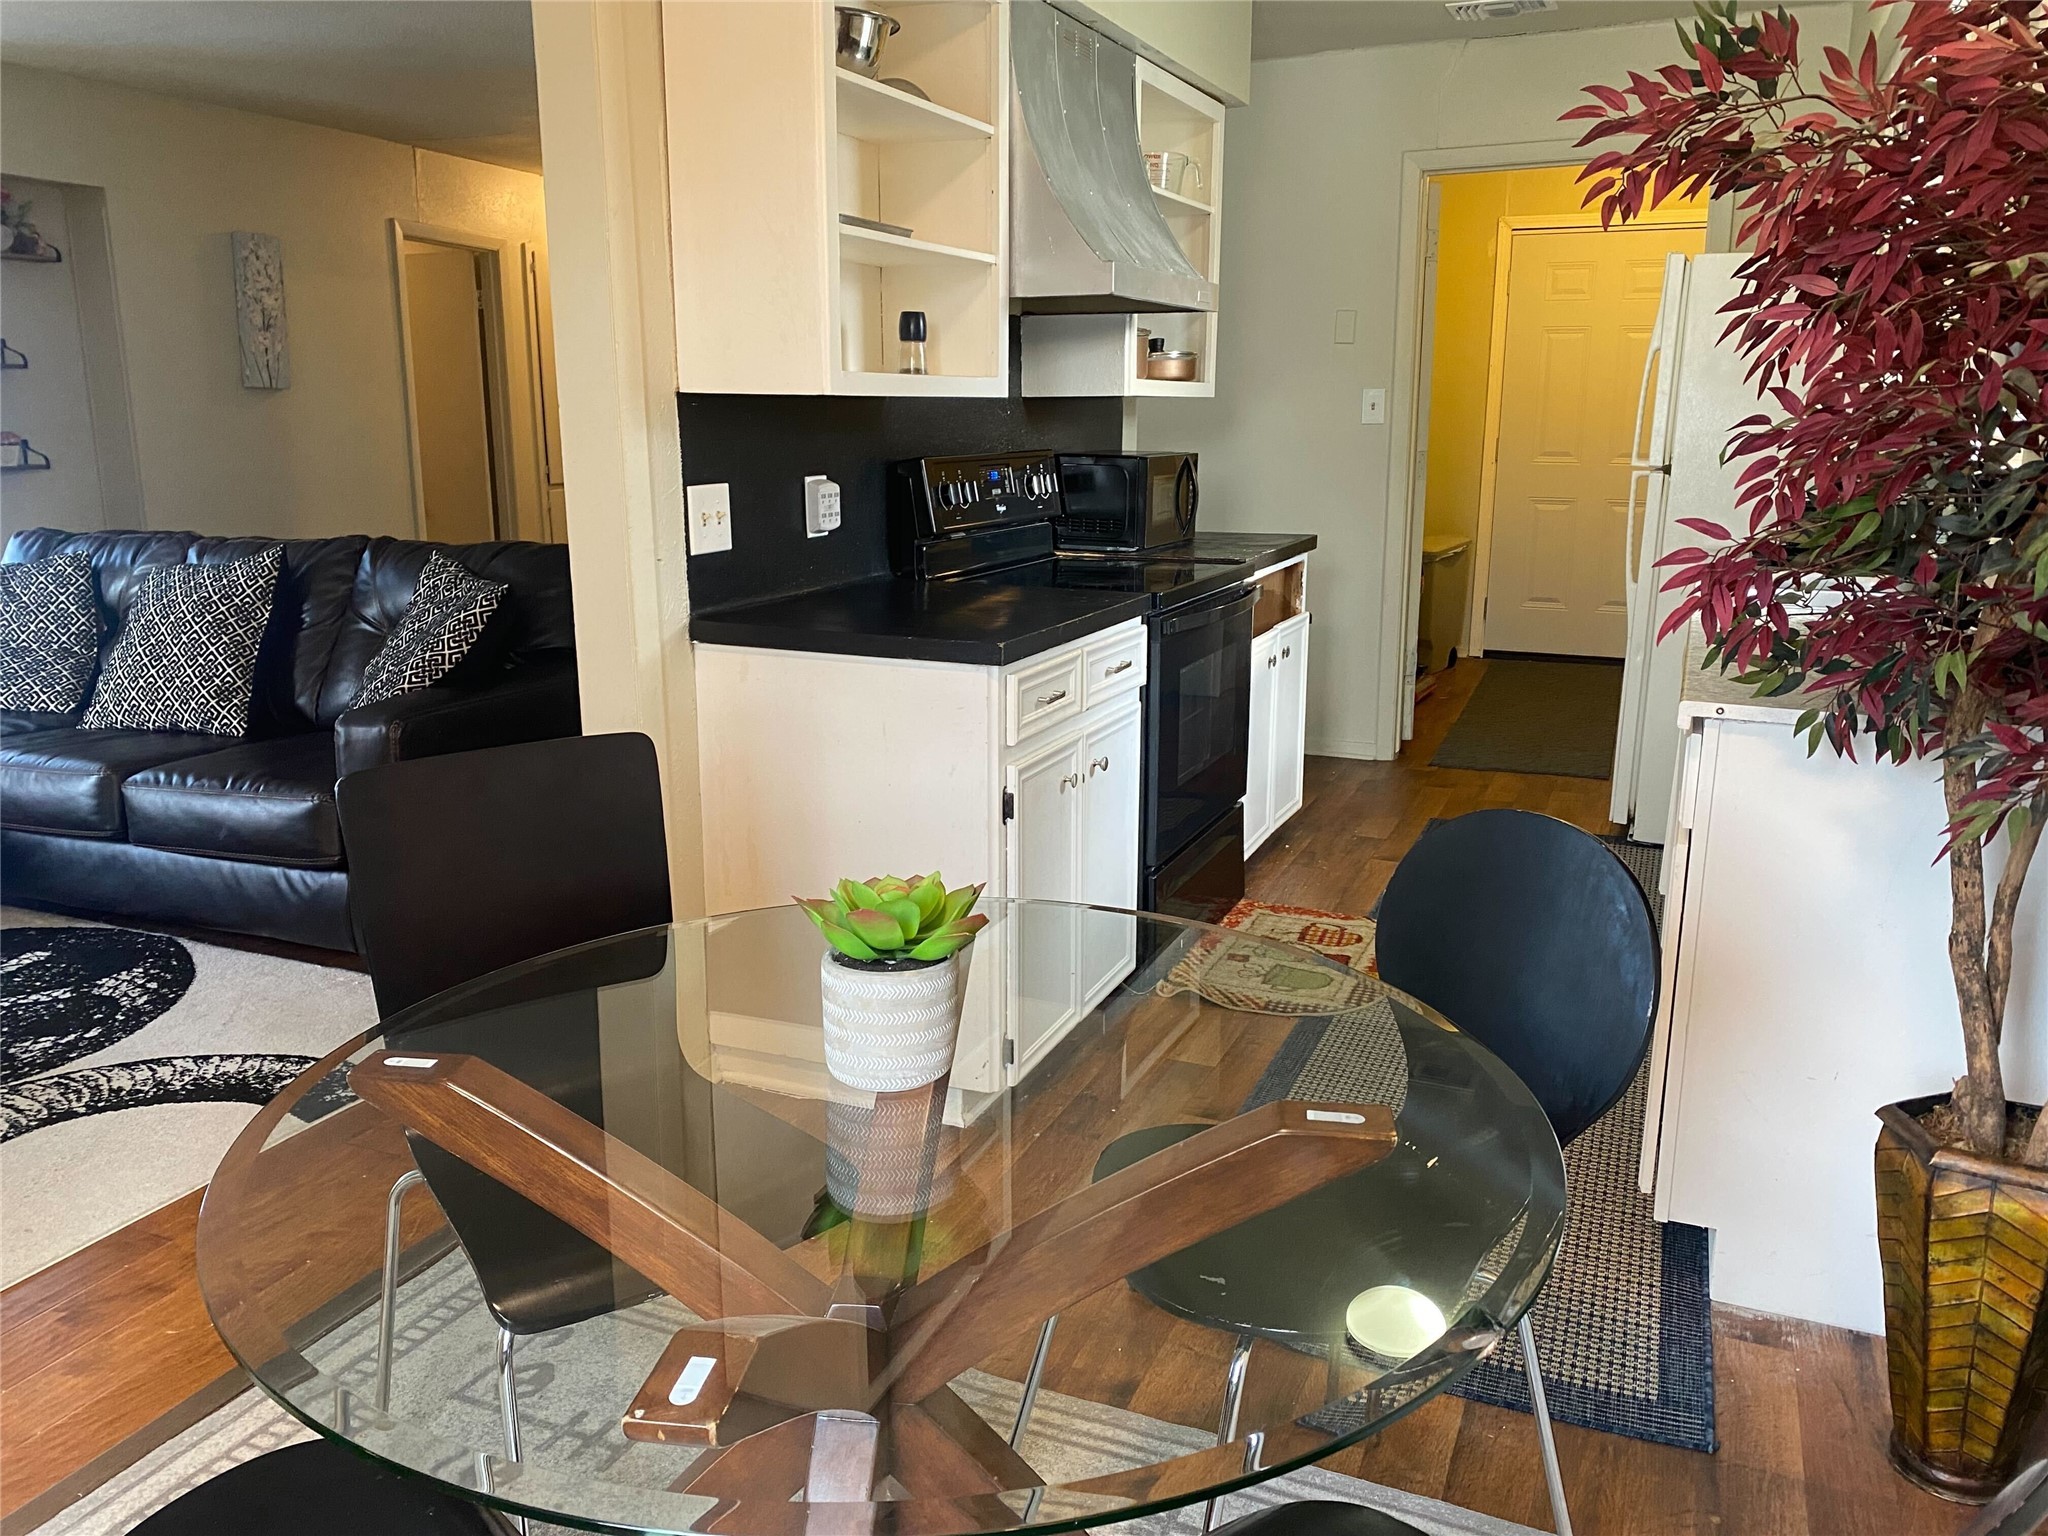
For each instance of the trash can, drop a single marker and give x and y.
(1442, 626)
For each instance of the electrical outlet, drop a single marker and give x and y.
(710, 519)
(821, 506)
(1374, 411)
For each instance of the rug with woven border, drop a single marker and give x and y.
(1624, 1324)
(572, 1381)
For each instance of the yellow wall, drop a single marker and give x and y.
(1468, 237)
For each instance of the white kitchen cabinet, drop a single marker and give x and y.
(817, 766)
(1107, 950)
(1279, 707)
(772, 148)
(1044, 863)
(1102, 354)
(1258, 778)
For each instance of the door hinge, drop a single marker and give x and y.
(1009, 1053)
(1009, 805)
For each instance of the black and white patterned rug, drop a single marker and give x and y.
(129, 1061)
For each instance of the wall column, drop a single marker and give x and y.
(603, 143)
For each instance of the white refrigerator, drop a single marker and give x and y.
(1693, 393)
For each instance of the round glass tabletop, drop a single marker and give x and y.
(696, 1229)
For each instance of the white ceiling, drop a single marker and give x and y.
(1285, 28)
(453, 75)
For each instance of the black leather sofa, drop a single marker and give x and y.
(240, 833)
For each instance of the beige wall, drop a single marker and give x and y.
(331, 454)
(1468, 247)
(49, 402)
(1315, 224)
(1207, 41)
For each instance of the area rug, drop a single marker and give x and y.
(129, 1061)
(1538, 717)
(570, 1389)
(1624, 1326)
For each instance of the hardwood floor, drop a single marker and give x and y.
(109, 1352)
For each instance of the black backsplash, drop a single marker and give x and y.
(763, 446)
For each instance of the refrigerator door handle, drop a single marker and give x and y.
(1632, 535)
(1637, 451)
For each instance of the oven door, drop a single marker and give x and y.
(1197, 719)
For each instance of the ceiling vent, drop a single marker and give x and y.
(1495, 10)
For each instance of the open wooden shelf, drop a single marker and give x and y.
(881, 114)
(1177, 204)
(872, 248)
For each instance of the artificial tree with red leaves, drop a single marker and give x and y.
(1895, 308)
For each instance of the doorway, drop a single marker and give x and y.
(1535, 324)
(455, 389)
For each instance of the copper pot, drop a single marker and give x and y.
(1179, 367)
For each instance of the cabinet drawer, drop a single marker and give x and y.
(1115, 667)
(1042, 696)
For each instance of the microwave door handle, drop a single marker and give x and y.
(1185, 519)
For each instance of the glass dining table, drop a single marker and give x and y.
(617, 1239)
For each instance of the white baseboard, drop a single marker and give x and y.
(1363, 751)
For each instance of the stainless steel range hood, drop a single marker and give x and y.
(1086, 236)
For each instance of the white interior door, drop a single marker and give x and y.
(1580, 310)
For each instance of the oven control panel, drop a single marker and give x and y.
(954, 495)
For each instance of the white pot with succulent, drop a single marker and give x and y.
(890, 980)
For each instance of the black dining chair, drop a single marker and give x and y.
(461, 865)
(1532, 938)
(316, 1488)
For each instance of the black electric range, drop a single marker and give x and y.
(987, 522)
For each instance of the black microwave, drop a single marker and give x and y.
(1126, 500)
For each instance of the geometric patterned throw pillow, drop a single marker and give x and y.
(186, 659)
(449, 609)
(49, 633)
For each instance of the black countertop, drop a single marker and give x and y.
(978, 623)
(984, 621)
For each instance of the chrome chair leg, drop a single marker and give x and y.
(387, 1316)
(508, 1393)
(1233, 1399)
(1031, 1379)
(1029, 1400)
(1552, 1475)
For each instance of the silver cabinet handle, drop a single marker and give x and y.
(1122, 666)
(1097, 766)
(1047, 699)
(1286, 650)
(1069, 781)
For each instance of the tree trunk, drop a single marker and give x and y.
(1980, 1091)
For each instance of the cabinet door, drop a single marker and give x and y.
(1290, 718)
(1258, 779)
(1044, 853)
(1106, 947)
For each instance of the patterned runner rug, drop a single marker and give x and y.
(1624, 1324)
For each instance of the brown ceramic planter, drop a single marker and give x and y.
(1964, 1245)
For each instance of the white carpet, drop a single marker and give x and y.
(67, 1182)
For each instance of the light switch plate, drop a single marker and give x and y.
(1346, 332)
(710, 519)
(1374, 411)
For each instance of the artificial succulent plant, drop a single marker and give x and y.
(890, 918)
